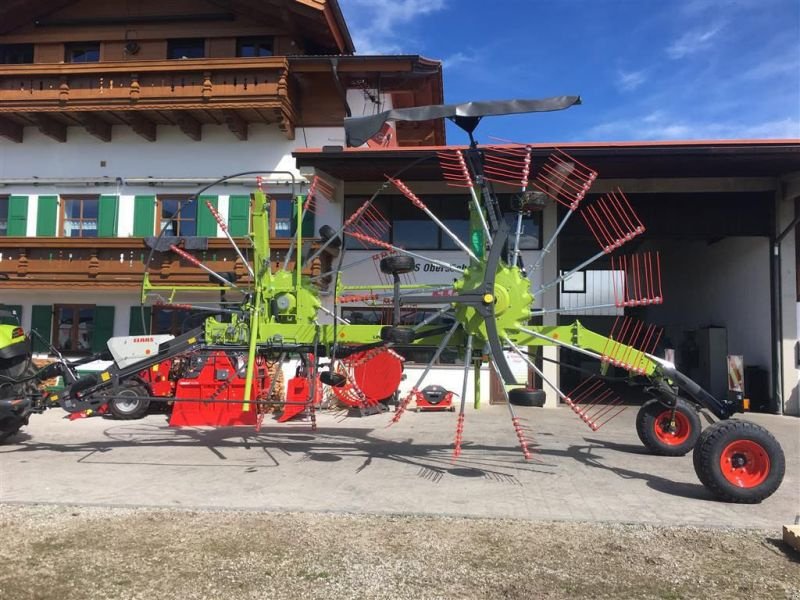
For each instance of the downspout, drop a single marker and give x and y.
(339, 87)
(777, 306)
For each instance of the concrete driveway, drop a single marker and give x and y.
(361, 466)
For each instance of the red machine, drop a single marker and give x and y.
(298, 391)
(220, 384)
(434, 397)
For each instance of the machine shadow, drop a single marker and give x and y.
(362, 448)
(692, 491)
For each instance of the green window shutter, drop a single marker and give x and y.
(107, 218)
(17, 216)
(103, 327)
(308, 223)
(42, 323)
(47, 216)
(206, 223)
(239, 215)
(144, 214)
(135, 324)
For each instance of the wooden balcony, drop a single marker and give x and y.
(117, 263)
(187, 93)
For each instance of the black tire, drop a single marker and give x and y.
(134, 408)
(10, 425)
(753, 458)
(397, 264)
(18, 367)
(526, 397)
(398, 335)
(326, 232)
(654, 429)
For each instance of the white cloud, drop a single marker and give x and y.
(457, 59)
(693, 42)
(627, 81)
(659, 125)
(375, 24)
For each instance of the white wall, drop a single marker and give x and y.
(724, 284)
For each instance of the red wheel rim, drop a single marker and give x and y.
(744, 463)
(676, 436)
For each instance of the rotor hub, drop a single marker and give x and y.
(511, 298)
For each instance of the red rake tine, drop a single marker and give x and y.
(459, 436)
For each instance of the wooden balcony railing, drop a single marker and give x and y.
(115, 263)
(233, 91)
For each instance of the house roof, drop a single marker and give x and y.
(326, 14)
(695, 158)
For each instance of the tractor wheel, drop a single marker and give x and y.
(526, 397)
(397, 264)
(19, 367)
(739, 461)
(327, 232)
(661, 435)
(131, 401)
(398, 335)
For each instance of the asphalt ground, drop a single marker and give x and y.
(359, 465)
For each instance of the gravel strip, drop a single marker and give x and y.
(70, 553)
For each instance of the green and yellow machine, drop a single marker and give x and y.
(485, 315)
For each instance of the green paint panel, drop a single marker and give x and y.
(206, 223)
(17, 216)
(144, 215)
(47, 216)
(239, 215)
(107, 218)
(42, 323)
(103, 327)
(135, 324)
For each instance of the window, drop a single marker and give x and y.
(281, 217)
(73, 327)
(178, 215)
(413, 229)
(175, 322)
(4, 216)
(16, 54)
(280, 210)
(82, 52)
(79, 217)
(186, 48)
(248, 47)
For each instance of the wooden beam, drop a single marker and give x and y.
(10, 130)
(50, 127)
(142, 126)
(189, 125)
(236, 124)
(96, 126)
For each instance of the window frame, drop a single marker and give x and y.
(75, 328)
(71, 47)
(176, 327)
(7, 50)
(257, 41)
(180, 197)
(172, 42)
(62, 215)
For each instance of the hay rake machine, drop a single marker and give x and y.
(271, 313)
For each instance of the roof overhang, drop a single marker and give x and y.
(618, 160)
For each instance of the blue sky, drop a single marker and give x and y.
(646, 69)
